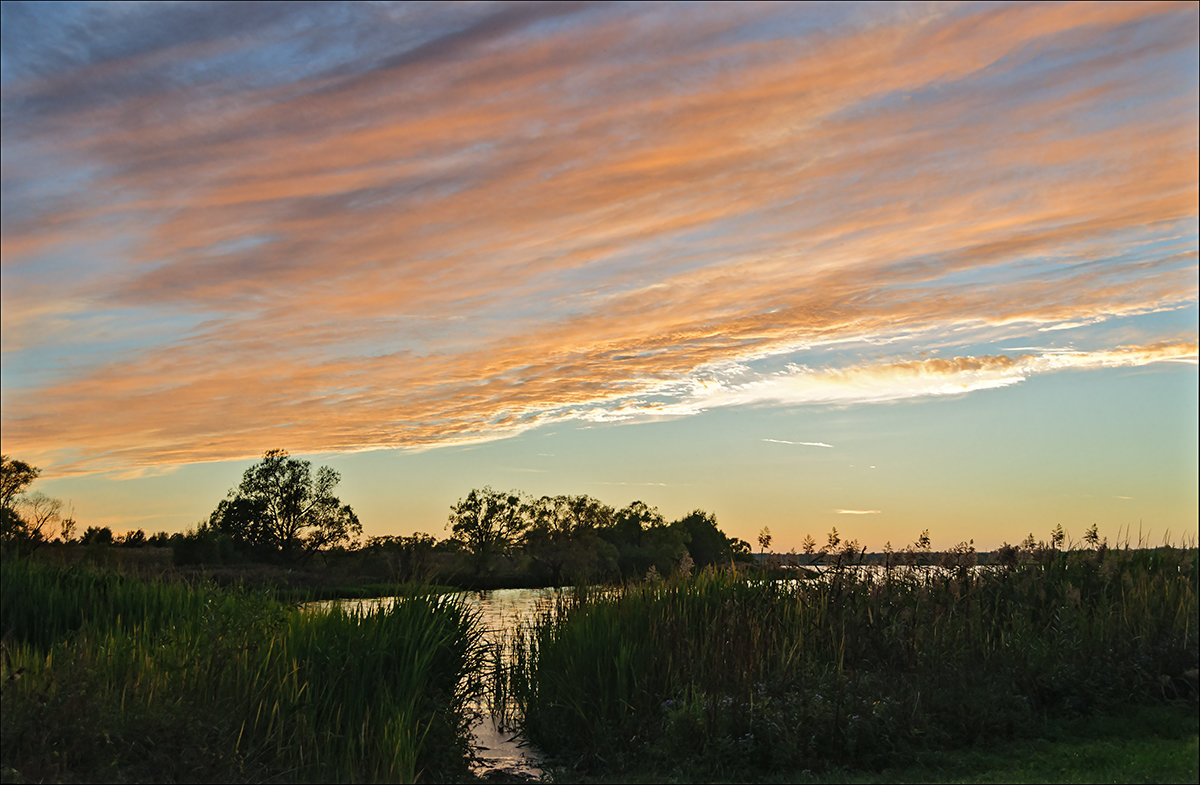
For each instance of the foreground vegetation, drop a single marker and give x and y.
(1152, 743)
(896, 674)
(121, 661)
(716, 677)
(110, 678)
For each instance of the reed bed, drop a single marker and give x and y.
(719, 676)
(109, 678)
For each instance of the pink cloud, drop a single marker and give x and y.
(599, 215)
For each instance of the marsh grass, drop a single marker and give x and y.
(716, 675)
(111, 678)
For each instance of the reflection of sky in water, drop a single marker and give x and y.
(505, 610)
(501, 613)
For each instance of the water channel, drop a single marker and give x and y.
(501, 753)
(501, 611)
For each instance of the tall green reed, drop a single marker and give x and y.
(860, 665)
(150, 681)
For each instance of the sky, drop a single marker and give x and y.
(880, 267)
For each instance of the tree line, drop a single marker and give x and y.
(285, 511)
(565, 538)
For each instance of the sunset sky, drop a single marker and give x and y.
(884, 267)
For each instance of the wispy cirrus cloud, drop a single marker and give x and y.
(887, 382)
(799, 444)
(456, 223)
(858, 512)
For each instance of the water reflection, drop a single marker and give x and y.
(501, 613)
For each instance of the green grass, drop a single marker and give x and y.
(717, 678)
(1151, 744)
(115, 679)
(1069, 667)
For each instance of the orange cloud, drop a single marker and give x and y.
(458, 245)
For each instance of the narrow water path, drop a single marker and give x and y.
(502, 755)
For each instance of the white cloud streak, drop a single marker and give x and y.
(798, 444)
(801, 385)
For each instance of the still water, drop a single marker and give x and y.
(501, 612)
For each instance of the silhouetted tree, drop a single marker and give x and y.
(642, 539)
(15, 477)
(663, 547)
(740, 550)
(280, 506)
(203, 545)
(630, 522)
(97, 535)
(488, 522)
(764, 539)
(36, 512)
(133, 539)
(707, 544)
(562, 540)
(66, 529)
(163, 539)
(243, 519)
(404, 558)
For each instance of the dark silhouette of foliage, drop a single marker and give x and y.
(133, 539)
(205, 545)
(282, 507)
(740, 550)
(706, 543)
(488, 523)
(764, 539)
(401, 558)
(556, 540)
(562, 541)
(644, 540)
(15, 477)
(97, 535)
(24, 516)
